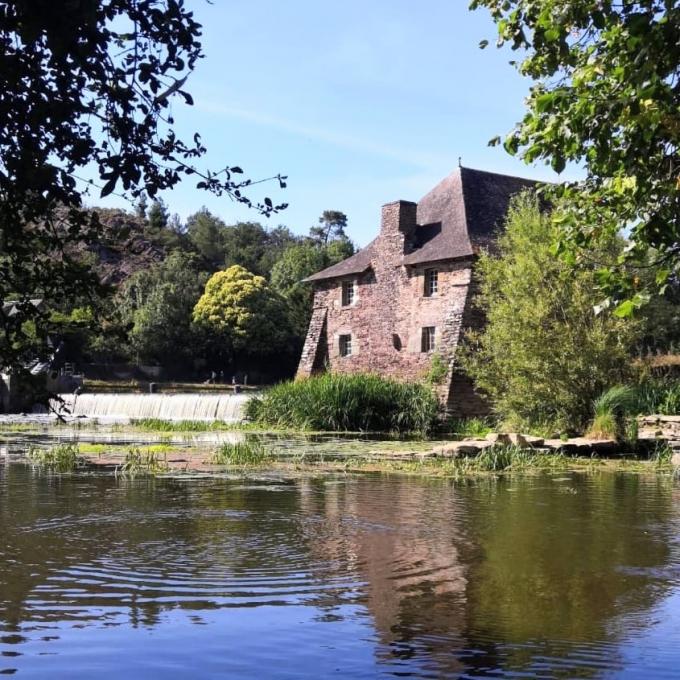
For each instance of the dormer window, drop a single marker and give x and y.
(348, 293)
(431, 282)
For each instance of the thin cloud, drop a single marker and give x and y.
(337, 139)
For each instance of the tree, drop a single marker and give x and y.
(158, 304)
(253, 247)
(297, 263)
(332, 224)
(86, 85)
(158, 216)
(247, 318)
(205, 232)
(544, 355)
(607, 96)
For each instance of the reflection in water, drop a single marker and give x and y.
(351, 577)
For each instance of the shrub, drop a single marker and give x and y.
(544, 355)
(360, 402)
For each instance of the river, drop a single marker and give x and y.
(354, 576)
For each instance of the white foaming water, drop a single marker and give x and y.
(197, 406)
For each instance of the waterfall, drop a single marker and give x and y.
(196, 406)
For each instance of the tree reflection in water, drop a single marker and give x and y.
(364, 575)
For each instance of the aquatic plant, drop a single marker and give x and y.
(470, 427)
(146, 462)
(62, 458)
(359, 402)
(160, 425)
(241, 453)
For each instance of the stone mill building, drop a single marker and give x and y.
(406, 296)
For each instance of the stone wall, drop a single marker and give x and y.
(389, 312)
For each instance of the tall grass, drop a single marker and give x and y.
(360, 402)
(142, 462)
(241, 453)
(160, 425)
(659, 395)
(477, 428)
(610, 411)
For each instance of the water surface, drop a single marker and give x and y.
(553, 576)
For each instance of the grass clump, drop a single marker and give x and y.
(241, 453)
(142, 462)
(359, 403)
(62, 458)
(160, 425)
(611, 410)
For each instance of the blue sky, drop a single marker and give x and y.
(359, 103)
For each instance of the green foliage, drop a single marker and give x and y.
(142, 462)
(361, 402)
(94, 95)
(659, 395)
(438, 370)
(62, 458)
(158, 216)
(241, 453)
(606, 97)
(246, 315)
(160, 425)
(158, 303)
(477, 428)
(545, 355)
(620, 400)
(332, 225)
(507, 459)
(205, 232)
(251, 246)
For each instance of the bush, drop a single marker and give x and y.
(545, 355)
(361, 402)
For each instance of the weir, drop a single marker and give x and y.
(186, 406)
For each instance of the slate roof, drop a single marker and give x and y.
(456, 218)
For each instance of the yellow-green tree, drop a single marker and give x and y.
(243, 314)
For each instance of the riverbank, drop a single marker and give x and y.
(162, 459)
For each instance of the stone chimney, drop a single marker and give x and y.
(398, 227)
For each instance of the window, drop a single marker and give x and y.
(348, 296)
(345, 345)
(431, 282)
(427, 339)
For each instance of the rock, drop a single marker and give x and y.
(498, 438)
(675, 459)
(525, 441)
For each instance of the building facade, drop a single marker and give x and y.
(406, 297)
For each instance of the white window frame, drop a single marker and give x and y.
(428, 339)
(345, 345)
(350, 288)
(431, 284)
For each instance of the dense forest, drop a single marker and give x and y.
(199, 298)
